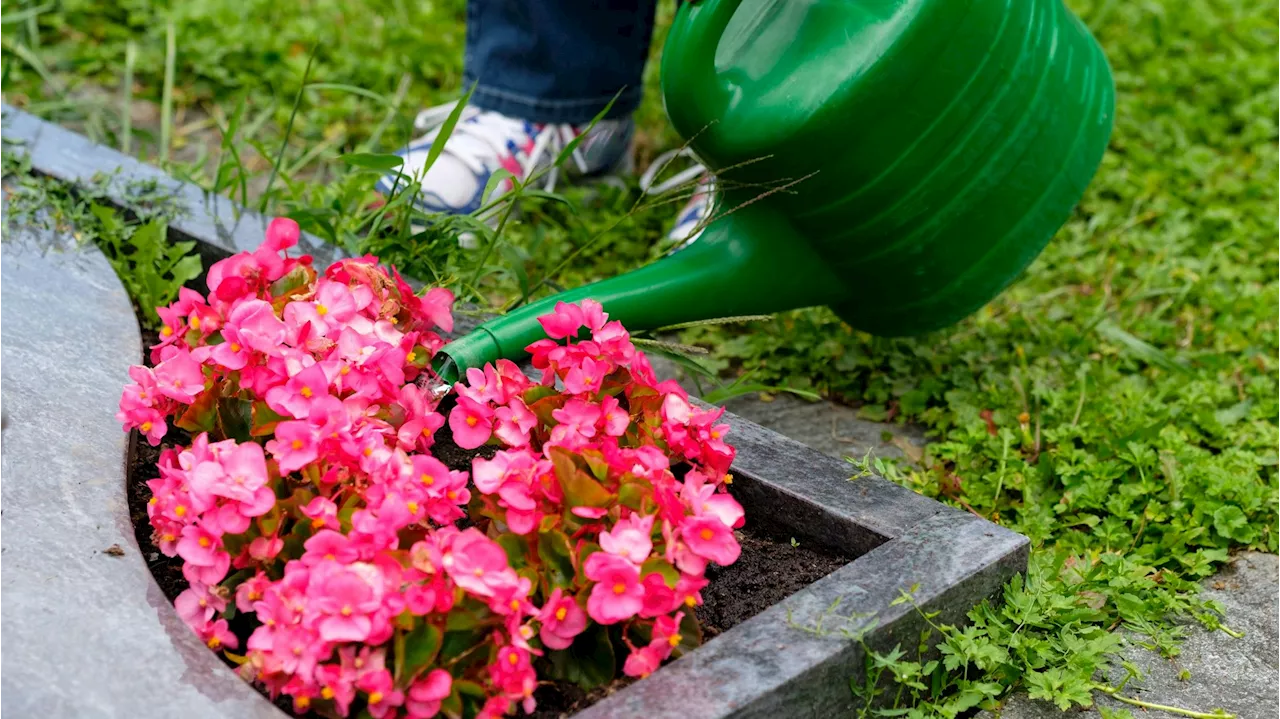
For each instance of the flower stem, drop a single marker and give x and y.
(1114, 693)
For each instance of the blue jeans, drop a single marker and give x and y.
(557, 61)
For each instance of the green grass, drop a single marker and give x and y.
(1118, 404)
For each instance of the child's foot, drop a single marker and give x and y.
(483, 142)
(694, 181)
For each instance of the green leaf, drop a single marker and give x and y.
(580, 490)
(373, 161)
(420, 649)
(589, 662)
(1138, 348)
(1234, 413)
(515, 546)
(446, 130)
(264, 420)
(557, 557)
(1231, 523)
(670, 574)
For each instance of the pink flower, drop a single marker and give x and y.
(381, 693)
(562, 620)
(265, 548)
(257, 325)
(426, 694)
(658, 597)
(232, 352)
(579, 415)
(471, 422)
(617, 595)
(345, 596)
(294, 446)
(708, 537)
(179, 376)
(593, 315)
(217, 636)
(322, 512)
(586, 377)
(201, 550)
(615, 419)
(282, 233)
(328, 545)
(642, 662)
(514, 423)
(630, 538)
(197, 605)
(565, 321)
(296, 397)
(436, 307)
(703, 499)
(479, 564)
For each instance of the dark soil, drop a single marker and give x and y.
(770, 569)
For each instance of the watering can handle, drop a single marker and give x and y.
(691, 51)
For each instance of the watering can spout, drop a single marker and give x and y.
(733, 269)
(942, 144)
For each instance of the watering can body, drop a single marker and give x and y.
(899, 160)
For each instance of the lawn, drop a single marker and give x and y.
(1118, 404)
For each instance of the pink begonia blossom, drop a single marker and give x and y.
(562, 620)
(380, 692)
(564, 322)
(630, 538)
(328, 545)
(294, 446)
(426, 694)
(296, 396)
(322, 512)
(179, 376)
(711, 539)
(345, 596)
(514, 421)
(479, 564)
(617, 594)
(258, 326)
(471, 422)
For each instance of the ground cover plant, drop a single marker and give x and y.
(1117, 404)
(310, 499)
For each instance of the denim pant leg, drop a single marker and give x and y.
(557, 60)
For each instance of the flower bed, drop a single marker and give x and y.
(318, 530)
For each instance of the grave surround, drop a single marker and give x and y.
(91, 634)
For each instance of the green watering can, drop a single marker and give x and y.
(942, 142)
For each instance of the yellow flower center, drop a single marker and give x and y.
(235, 347)
(674, 640)
(326, 692)
(375, 697)
(689, 601)
(344, 370)
(513, 659)
(204, 541)
(619, 588)
(515, 603)
(166, 331)
(451, 494)
(303, 703)
(728, 479)
(479, 572)
(368, 451)
(167, 537)
(413, 507)
(195, 322)
(411, 356)
(180, 510)
(715, 434)
(426, 431)
(305, 392)
(561, 613)
(330, 557)
(346, 611)
(152, 501)
(145, 427)
(214, 642)
(318, 522)
(296, 444)
(473, 421)
(706, 534)
(428, 480)
(322, 310)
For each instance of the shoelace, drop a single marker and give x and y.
(481, 136)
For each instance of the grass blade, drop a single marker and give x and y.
(126, 98)
(437, 145)
(1139, 348)
(288, 131)
(166, 97)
